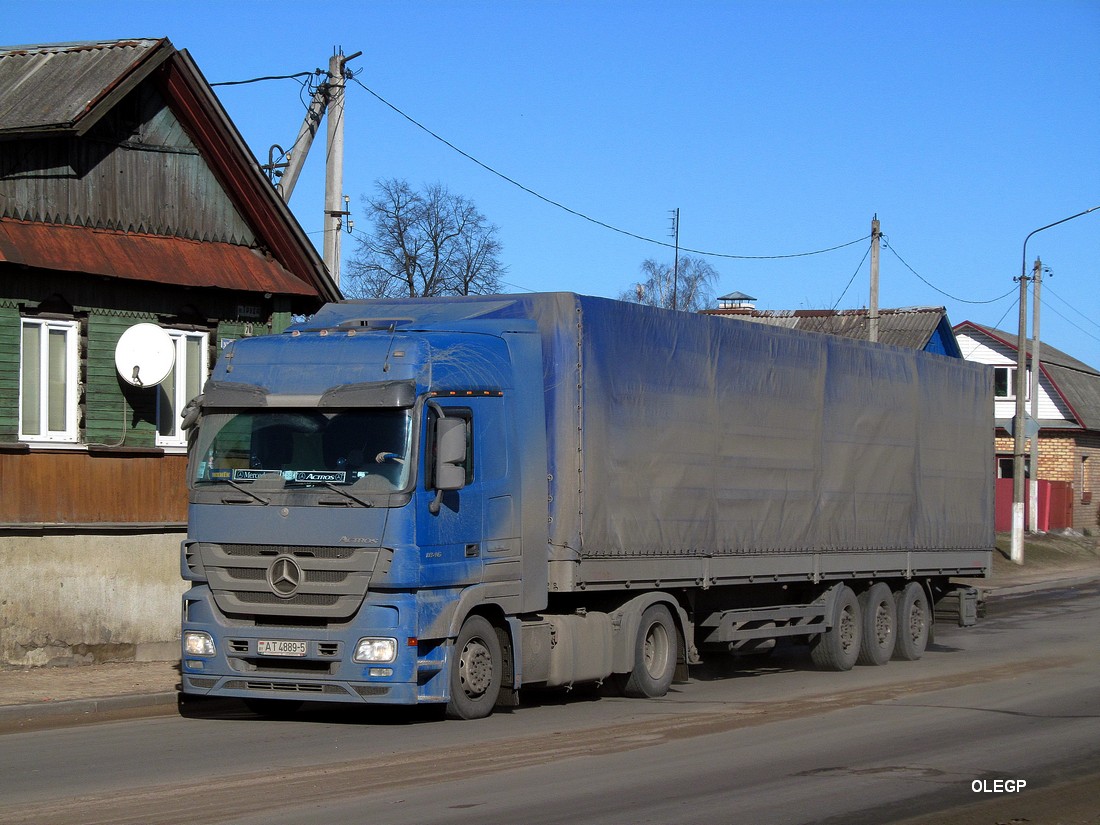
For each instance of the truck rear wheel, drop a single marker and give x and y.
(879, 624)
(838, 647)
(475, 670)
(913, 622)
(655, 653)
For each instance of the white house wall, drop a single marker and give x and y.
(990, 351)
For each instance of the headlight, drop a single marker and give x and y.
(373, 649)
(197, 643)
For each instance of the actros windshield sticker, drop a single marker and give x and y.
(315, 476)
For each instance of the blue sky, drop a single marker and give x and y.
(776, 128)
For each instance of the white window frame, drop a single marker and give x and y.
(69, 432)
(176, 385)
(1010, 370)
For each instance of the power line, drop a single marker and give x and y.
(850, 280)
(926, 282)
(1068, 304)
(582, 215)
(267, 77)
(1071, 323)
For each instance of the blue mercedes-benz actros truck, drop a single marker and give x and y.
(446, 500)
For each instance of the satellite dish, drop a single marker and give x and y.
(144, 355)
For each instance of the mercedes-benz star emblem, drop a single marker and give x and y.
(284, 576)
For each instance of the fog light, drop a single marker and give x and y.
(197, 643)
(380, 671)
(373, 649)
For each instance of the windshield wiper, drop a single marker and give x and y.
(346, 494)
(246, 491)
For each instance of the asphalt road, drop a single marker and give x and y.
(997, 723)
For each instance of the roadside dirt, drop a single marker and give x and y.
(1046, 556)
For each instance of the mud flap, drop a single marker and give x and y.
(961, 605)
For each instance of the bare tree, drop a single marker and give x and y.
(695, 280)
(423, 244)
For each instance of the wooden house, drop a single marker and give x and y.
(127, 196)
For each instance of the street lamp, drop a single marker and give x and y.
(1021, 391)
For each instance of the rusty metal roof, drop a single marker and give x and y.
(59, 87)
(145, 258)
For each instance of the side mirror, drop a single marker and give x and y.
(450, 458)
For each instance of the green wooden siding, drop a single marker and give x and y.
(115, 414)
(9, 371)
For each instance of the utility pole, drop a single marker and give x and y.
(1033, 487)
(328, 97)
(676, 260)
(1018, 453)
(335, 202)
(1018, 427)
(872, 312)
(300, 149)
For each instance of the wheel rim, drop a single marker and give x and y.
(656, 650)
(882, 623)
(847, 635)
(916, 622)
(475, 668)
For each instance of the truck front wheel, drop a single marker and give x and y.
(475, 670)
(655, 653)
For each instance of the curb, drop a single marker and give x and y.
(80, 707)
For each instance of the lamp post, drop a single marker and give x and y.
(1021, 392)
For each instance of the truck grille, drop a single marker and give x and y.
(286, 581)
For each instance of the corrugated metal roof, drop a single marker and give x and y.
(910, 328)
(145, 258)
(56, 87)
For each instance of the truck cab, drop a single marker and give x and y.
(356, 503)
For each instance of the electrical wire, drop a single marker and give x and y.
(1068, 304)
(850, 280)
(1071, 323)
(582, 215)
(928, 283)
(267, 77)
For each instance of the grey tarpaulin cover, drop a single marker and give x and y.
(675, 433)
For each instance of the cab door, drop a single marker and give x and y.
(450, 524)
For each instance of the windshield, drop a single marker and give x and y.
(368, 449)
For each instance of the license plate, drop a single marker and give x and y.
(280, 647)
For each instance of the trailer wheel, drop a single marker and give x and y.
(879, 625)
(838, 647)
(655, 653)
(475, 671)
(913, 622)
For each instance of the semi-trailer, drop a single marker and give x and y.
(446, 500)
